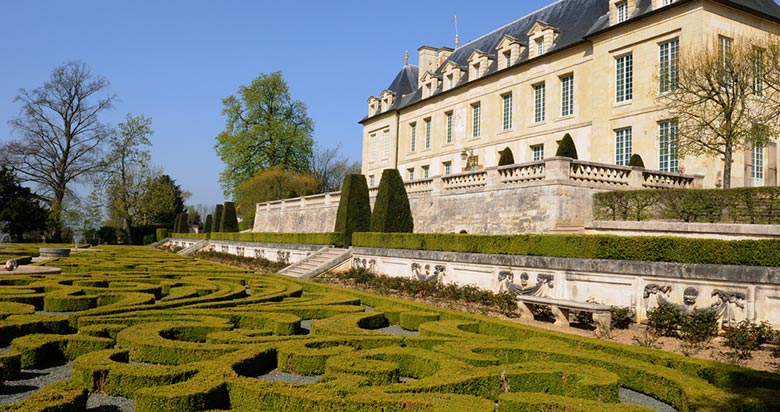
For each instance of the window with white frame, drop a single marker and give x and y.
(426, 171)
(540, 46)
(666, 2)
(622, 146)
(757, 170)
(476, 116)
(758, 72)
(567, 95)
(537, 152)
(506, 102)
(386, 144)
(413, 136)
(410, 173)
(372, 147)
(448, 136)
(539, 103)
(668, 65)
(450, 81)
(371, 181)
(507, 58)
(447, 168)
(725, 53)
(428, 133)
(622, 11)
(624, 78)
(668, 135)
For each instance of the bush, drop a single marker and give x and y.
(665, 320)
(229, 222)
(622, 317)
(218, 218)
(566, 147)
(391, 207)
(354, 212)
(161, 233)
(636, 161)
(697, 329)
(506, 157)
(741, 340)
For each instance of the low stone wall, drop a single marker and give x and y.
(277, 252)
(726, 231)
(736, 292)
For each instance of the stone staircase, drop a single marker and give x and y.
(317, 263)
(194, 248)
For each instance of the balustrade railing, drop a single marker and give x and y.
(465, 180)
(521, 173)
(599, 173)
(666, 180)
(419, 186)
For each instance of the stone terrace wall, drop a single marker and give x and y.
(539, 197)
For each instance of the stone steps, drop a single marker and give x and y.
(317, 263)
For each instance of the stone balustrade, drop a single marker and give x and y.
(319, 200)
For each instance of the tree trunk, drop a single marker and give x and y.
(727, 160)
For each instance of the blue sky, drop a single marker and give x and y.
(175, 61)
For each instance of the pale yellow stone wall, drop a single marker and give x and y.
(596, 114)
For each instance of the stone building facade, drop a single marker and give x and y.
(590, 68)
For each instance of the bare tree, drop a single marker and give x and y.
(60, 136)
(330, 167)
(724, 96)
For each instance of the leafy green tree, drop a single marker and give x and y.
(218, 211)
(128, 170)
(506, 157)
(566, 147)
(162, 200)
(392, 212)
(354, 212)
(229, 220)
(20, 210)
(265, 128)
(273, 184)
(61, 136)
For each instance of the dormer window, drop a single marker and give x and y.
(452, 73)
(621, 10)
(476, 70)
(430, 84)
(542, 36)
(428, 90)
(373, 105)
(387, 99)
(661, 3)
(509, 50)
(479, 62)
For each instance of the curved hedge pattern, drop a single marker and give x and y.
(177, 334)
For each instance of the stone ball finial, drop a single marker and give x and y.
(11, 265)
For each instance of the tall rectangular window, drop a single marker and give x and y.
(507, 58)
(622, 146)
(668, 65)
(448, 136)
(426, 171)
(476, 110)
(539, 103)
(386, 144)
(667, 145)
(506, 101)
(757, 170)
(622, 11)
(537, 152)
(372, 147)
(450, 81)
(410, 173)
(540, 46)
(725, 53)
(567, 95)
(758, 72)
(413, 137)
(428, 133)
(371, 181)
(624, 78)
(447, 168)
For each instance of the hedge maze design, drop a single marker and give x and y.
(177, 334)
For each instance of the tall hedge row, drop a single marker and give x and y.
(756, 205)
(392, 212)
(653, 249)
(354, 212)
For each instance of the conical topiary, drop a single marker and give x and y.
(506, 157)
(636, 161)
(209, 224)
(229, 220)
(391, 207)
(181, 226)
(566, 147)
(217, 219)
(354, 213)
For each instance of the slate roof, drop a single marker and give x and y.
(575, 19)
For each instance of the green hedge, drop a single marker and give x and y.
(41, 350)
(755, 205)
(640, 248)
(66, 396)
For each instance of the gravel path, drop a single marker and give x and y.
(30, 381)
(396, 330)
(5, 349)
(636, 398)
(103, 403)
(306, 327)
(278, 376)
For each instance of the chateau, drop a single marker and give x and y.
(590, 68)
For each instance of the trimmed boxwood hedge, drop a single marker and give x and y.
(639, 248)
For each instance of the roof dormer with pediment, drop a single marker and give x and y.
(541, 38)
(430, 83)
(508, 51)
(386, 99)
(479, 62)
(622, 10)
(451, 75)
(373, 105)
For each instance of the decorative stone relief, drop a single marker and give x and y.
(690, 295)
(240, 250)
(506, 283)
(729, 305)
(423, 274)
(655, 295)
(212, 248)
(225, 248)
(369, 265)
(259, 253)
(283, 257)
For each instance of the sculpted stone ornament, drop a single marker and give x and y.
(690, 295)
(656, 295)
(506, 279)
(11, 265)
(729, 305)
(423, 274)
(283, 257)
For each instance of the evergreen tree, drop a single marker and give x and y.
(209, 223)
(229, 220)
(354, 213)
(391, 208)
(218, 219)
(506, 157)
(566, 147)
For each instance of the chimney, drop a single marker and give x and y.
(427, 62)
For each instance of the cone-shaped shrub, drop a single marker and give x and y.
(217, 219)
(636, 160)
(354, 213)
(391, 208)
(209, 224)
(506, 157)
(180, 225)
(566, 147)
(229, 220)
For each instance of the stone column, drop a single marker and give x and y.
(556, 169)
(636, 177)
